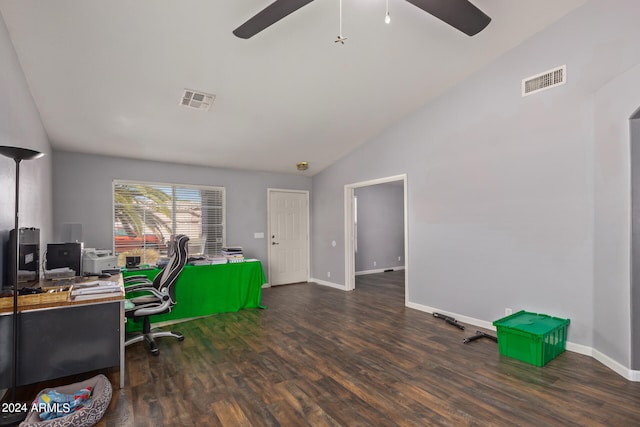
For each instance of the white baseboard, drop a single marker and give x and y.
(579, 348)
(379, 270)
(329, 284)
(634, 376)
(615, 366)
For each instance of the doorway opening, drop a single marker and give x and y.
(366, 260)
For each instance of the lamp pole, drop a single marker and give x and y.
(17, 154)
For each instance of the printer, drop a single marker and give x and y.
(96, 260)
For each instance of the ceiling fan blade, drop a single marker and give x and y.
(268, 16)
(460, 14)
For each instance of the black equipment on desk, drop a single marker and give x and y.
(132, 261)
(28, 255)
(61, 255)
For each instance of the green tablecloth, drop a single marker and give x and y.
(207, 289)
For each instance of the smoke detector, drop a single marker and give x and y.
(302, 166)
(197, 100)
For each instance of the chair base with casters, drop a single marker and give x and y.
(149, 336)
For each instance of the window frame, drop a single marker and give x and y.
(175, 187)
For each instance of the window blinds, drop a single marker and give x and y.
(146, 215)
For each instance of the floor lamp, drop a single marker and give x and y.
(18, 154)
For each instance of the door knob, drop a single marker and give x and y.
(275, 243)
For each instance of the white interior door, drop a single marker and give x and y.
(288, 236)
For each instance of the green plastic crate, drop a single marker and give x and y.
(533, 338)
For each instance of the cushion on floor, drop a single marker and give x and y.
(89, 415)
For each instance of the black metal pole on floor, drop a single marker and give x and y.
(14, 411)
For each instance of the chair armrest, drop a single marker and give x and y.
(147, 311)
(143, 287)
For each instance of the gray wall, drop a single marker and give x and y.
(635, 248)
(614, 103)
(516, 202)
(380, 226)
(20, 126)
(83, 195)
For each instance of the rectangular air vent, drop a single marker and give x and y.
(197, 100)
(546, 80)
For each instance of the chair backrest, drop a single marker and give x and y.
(169, 274)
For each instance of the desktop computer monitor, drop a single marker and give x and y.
(61, 255)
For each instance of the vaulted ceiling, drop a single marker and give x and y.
(108, 76)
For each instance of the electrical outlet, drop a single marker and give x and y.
(399, 258)
(328, 274)
(508, 311)
(375, 263)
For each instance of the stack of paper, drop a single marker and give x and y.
(209, 261)
(95, 289)
(233, 253)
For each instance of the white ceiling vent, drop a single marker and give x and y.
(197, 100)
(543, 81)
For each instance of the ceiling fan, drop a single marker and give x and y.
(460, 14)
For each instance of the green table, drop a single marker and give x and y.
(207, 289)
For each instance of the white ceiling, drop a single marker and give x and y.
(107, 76)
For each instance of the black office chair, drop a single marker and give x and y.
(156, 297)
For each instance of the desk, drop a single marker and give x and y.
(208, 289)
(63, 338)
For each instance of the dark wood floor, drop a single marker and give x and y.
(323, 357)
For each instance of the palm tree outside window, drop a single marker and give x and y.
(147, 215)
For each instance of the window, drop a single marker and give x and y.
(146, 215)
